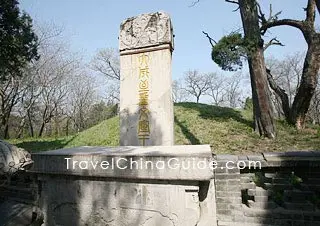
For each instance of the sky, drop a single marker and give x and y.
(90, 25)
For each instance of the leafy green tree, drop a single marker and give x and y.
(229, 52)
(18, 42)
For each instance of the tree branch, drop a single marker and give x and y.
(273, 41)
(194, 3)
(209, 38)
(262, 17)
(288, 22)
(310, 12)
(232, 1)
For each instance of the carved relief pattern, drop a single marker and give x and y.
(145, 30)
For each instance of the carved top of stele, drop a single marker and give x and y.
(146, 30)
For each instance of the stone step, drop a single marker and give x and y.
(262, 205)
(250, 185)
(297, 196)
(299, 206)
(246, 180)
(263, 192)
(270, 175)
(274, 186)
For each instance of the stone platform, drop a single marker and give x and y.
(122, 186)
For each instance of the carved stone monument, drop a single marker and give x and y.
(146, 106)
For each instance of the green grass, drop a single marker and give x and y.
(105, 133)
(226, 130)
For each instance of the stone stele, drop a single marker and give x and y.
(146, 106)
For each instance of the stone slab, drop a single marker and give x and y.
(116, 203)
(291, 158)
(181, 162)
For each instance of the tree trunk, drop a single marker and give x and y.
(30, 124)
(21, 127)
(308, 84)
(2, 128)
(6, 131)
(262, 107)
(5, 125)
(67, 126)
(285, 103)
(41, 129)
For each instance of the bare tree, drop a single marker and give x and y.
(48, 89)
(80, 99)
(196, 84)
(55, 93)
(113, 92)
(233, 90)
(296, 114)
(10, 94)
(107, 62)
(179, 94)
(217, 88)
(27, 104)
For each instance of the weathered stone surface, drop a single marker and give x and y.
(227, 157)
(116, 203)
(122, 197)
(146, 106)
(180, 162)
(145, 30)
(13, 159)
(207, 204)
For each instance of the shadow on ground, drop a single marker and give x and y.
(216, 113)
(45, 145)
(186, 132)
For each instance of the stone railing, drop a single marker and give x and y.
(285, 191)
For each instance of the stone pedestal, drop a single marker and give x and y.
(119, 187)
(146, 106)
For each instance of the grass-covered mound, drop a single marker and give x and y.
(226, 130)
